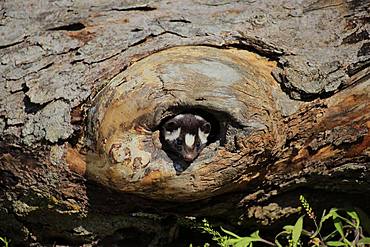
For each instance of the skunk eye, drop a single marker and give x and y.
(197, 145)
(179, 142)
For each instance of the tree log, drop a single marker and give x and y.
(86, 85)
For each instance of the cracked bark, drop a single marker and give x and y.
(57, 56)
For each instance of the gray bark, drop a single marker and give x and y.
(288, 82)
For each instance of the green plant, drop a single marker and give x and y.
(231, 239)
(346, 230)
(5, 241)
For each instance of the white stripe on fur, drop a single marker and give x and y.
(202, 136)
(199, 118)
(172, 135)
(189, 140)
(179, 116)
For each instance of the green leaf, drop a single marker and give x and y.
(4, 240)
(230, 233)
(354, 216)
(331, 214)
(297, 230)
(339, 227)
(334, 214)
(349, 222)
(332, 211)
(256, 235)
(232, 241)
(243, 242)
(335, 243)
(288, 228)
(364, 241)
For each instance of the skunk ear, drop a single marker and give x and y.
(170, 126)
(206, 128)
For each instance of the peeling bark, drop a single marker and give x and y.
(305, 129)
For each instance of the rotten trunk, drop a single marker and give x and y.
(287, 83)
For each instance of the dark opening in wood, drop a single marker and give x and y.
(219, 123)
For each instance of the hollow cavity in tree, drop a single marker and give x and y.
(232, 88)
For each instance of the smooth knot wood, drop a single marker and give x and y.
(234, 86)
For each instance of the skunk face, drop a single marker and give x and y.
(186, 135)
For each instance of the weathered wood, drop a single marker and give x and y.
(305, 127)
(234, 85)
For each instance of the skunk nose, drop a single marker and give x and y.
(189, 157)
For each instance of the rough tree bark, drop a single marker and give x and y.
(85, 85)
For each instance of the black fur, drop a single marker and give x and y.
(189, 124)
